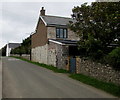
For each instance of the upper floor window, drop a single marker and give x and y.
(61, 33)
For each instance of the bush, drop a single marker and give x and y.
(91, 48)
(98, 55)
(113, 58)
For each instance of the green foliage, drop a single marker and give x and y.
(3, 51)
(91, 47)
(98, 19)
(98, 25)
(108, 87)
(24, 48)
(113, 58)
(15, 51)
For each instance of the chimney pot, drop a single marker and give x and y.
(42, 12)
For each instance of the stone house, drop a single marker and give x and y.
(53, 42)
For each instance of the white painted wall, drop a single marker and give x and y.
(8, 50)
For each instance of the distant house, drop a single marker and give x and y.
(11, 46)
(53, 41)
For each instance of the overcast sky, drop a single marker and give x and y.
(19, 19)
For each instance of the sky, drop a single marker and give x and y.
(19, 19)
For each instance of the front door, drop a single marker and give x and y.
(73, 65)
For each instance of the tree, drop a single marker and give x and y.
(113, 58)
(26, 45)
(3, 51)
(24, 48)
(100, 19)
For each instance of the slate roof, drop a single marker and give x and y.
(56, 20)
(14, 45)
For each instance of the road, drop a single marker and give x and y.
(25, 80)
(0, 78)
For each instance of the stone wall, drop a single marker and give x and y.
(39, 54)
(72, 35)
(62, 56)
(57, 55)
(26, 56)
(51, 34)
(51, 54)
(97, 70)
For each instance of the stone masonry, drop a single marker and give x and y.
(72, 35)
(97, 70)
(52, 34)
(51, 54)
(39, 54)
(57, 55)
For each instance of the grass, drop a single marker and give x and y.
(108, 87)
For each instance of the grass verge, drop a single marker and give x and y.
(108, 87)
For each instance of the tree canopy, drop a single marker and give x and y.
(100, 20)
(24, 48)
(3, 51)
(98, 26)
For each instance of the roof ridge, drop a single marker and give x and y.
(14, 43)
(58, 16)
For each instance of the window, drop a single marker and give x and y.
(61, 32)
(57, 33)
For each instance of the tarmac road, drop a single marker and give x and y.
(0, 78)
(25, 80)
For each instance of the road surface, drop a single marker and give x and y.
(0, 78)
(25, 80)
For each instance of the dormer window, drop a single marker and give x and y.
(61, 33)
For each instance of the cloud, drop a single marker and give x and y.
(48, 0)
(19, 19)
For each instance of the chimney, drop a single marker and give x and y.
(42, 12)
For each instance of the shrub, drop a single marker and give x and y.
(113, 58)
(93, 47)
(98, 55)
